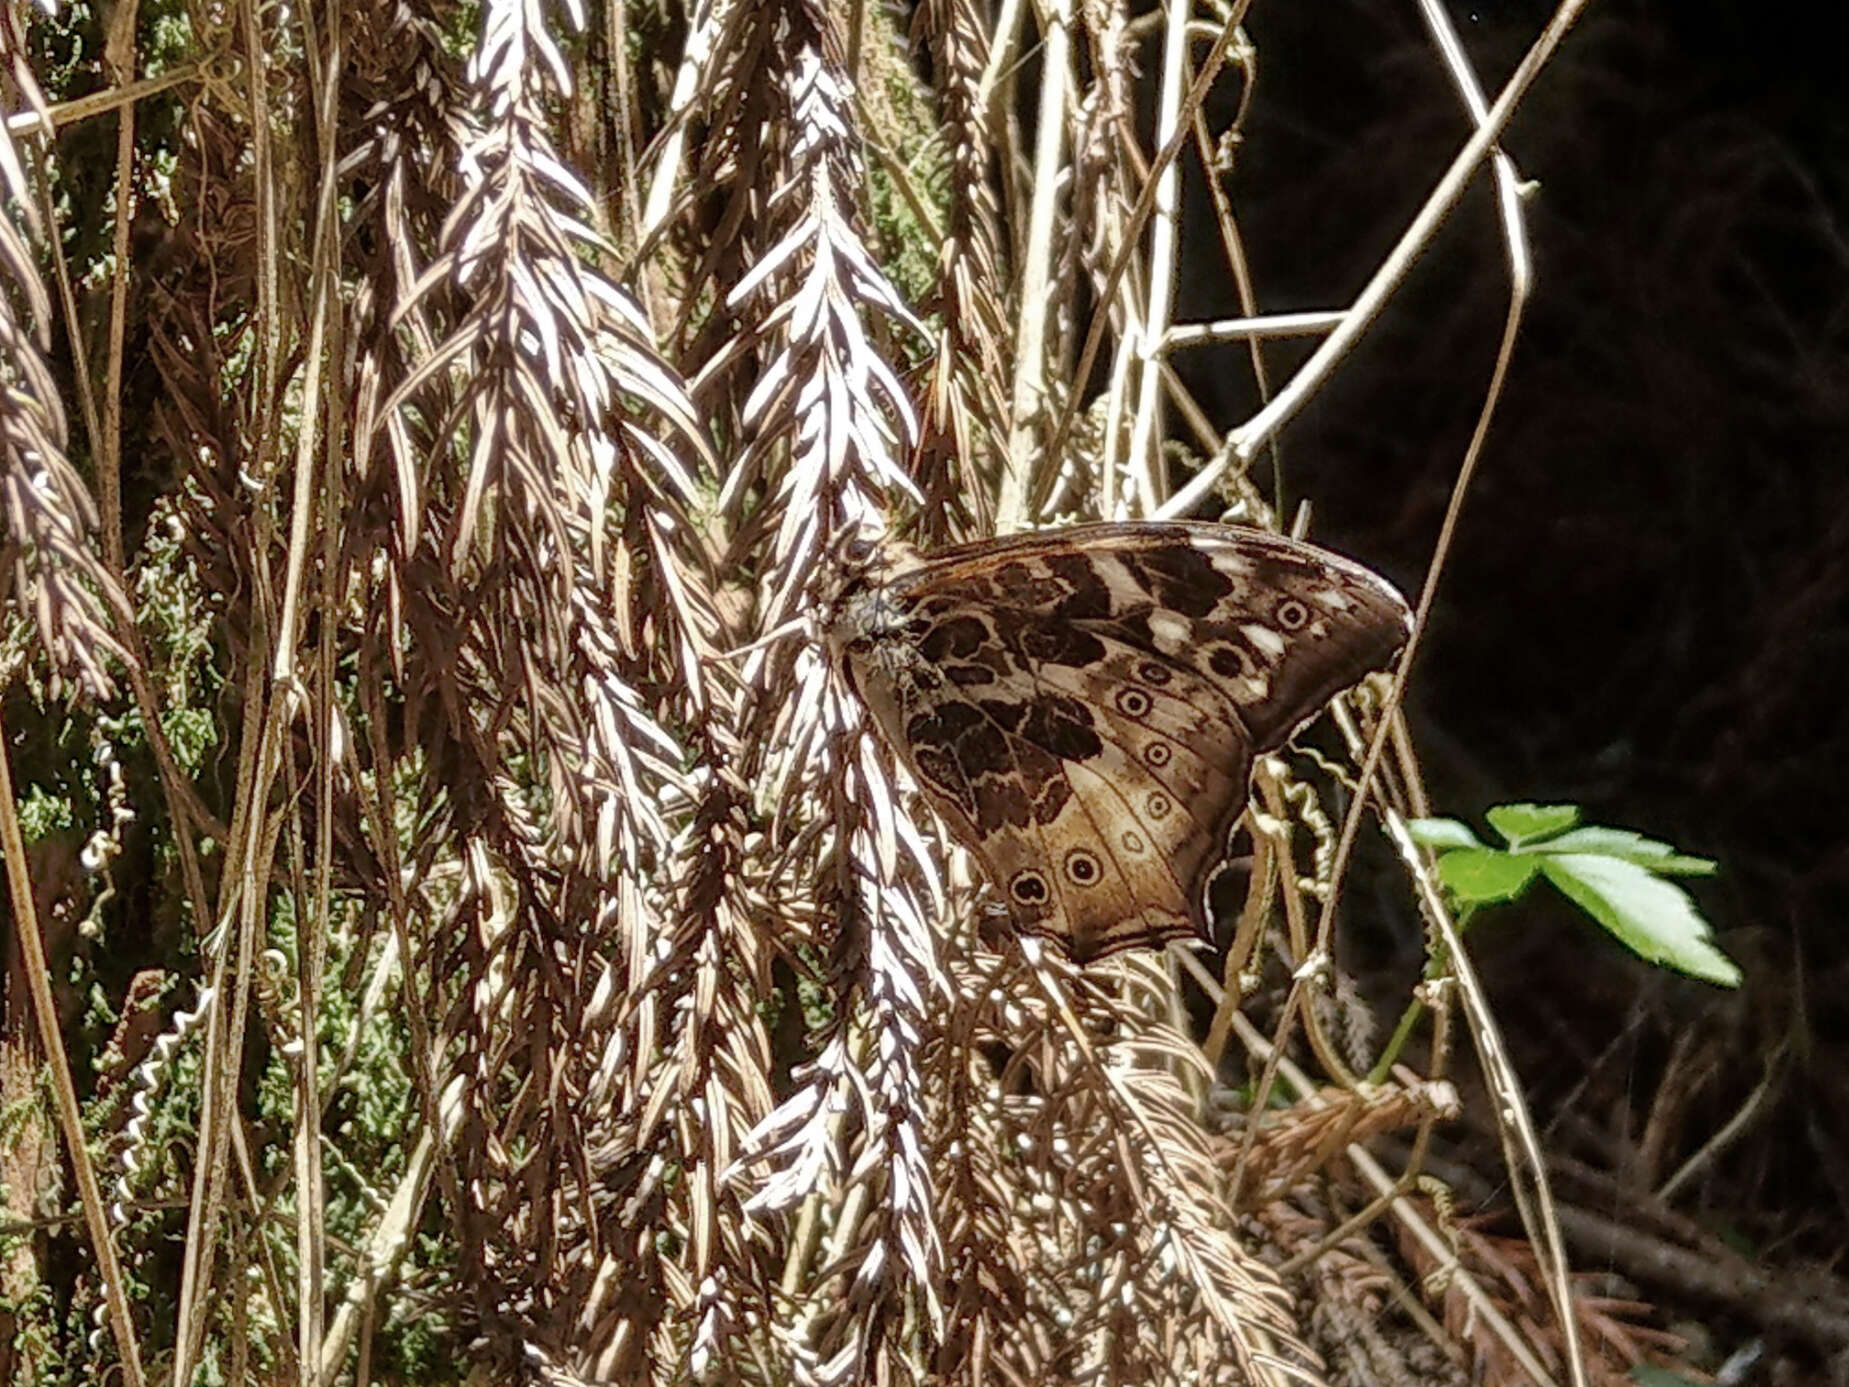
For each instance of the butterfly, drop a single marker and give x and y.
(1083, 706)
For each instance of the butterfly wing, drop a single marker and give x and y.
(1144, 816)
(1083, 705)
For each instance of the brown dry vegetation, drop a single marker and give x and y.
(466, 946)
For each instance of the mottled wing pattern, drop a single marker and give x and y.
(1083, 705)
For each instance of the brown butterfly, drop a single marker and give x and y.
(1083, 706)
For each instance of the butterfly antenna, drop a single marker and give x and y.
(796, 625)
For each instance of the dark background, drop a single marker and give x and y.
(1645, 610)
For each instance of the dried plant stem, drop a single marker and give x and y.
(119, 59)
(1771, 1081)
(1312, 956)
(1031, 342)
(83, 108)
(314, 918)
(1508, 183)
(1257, 328)
(1269, 849)
(37, 969)
(1107, 289)
(1242, 55)
(313, 475)
(251, 850)
(1522, 1150)
(1158, 297)
(390, 1238)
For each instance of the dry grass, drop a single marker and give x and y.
(561, 984)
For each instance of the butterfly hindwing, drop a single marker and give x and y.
(1083, 705)
(1165, 802)
(1162, 794)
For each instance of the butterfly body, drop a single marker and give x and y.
(1083, 706)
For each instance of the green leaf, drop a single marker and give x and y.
(1652, 917)
(1657, 857)
(1480, 876)
(1442, 833)
(1521, 824)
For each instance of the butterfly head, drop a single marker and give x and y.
(861, 613)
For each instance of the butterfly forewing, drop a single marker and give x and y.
(1083, 705)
